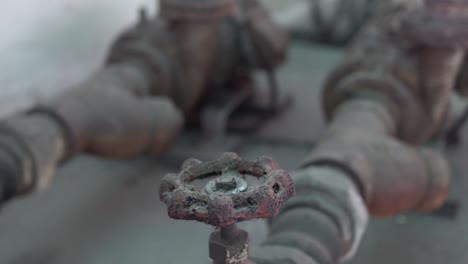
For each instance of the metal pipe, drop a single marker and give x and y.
(323, 223)
(110, 114)
(356, 170)
(380, 106)
(229, 233)
(394, 178)
(9, 170)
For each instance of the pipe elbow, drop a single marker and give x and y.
(393, 177)
(115, 124)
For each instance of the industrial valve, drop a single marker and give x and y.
(191, 66)
(235, 190)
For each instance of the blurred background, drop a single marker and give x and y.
(49, 46)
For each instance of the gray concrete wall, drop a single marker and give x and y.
(47, 46)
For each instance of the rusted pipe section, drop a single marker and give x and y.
(323, 223)
(389, 60)
(109, 115)
(197, 10)
(440, 38)
(34, 143)
(393, 177)
(440, 68)
(439, 23)
(391, 94)
(462, 80)
(103, 116)
(390, 88)
(387, 98)
(357, 170)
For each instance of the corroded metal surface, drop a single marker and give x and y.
(336, 219)
(440, 24)
(413, 79)
(202, 10)
(393, 177)
(230, 245)
(17, 138)
(383, 105)
(226, 206)
(227, 199)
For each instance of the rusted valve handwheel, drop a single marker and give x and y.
(227, 199)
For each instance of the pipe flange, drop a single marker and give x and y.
(197, 9)
(451, 8)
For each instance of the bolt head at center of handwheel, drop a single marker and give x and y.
(226, 184)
